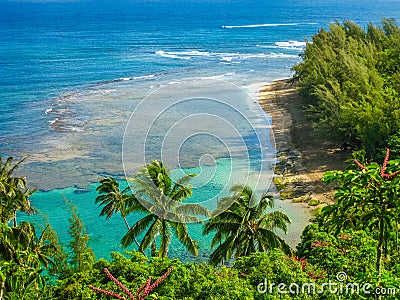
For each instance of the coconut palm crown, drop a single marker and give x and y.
(246, 227)
(162, 199)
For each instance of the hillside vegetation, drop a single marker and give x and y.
(350, 77)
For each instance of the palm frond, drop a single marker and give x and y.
(276, 219)
(136, 230)
(165, 233)
(151, 234)
(223, 251)
(193, 209)
(245, 227)
(182, 233)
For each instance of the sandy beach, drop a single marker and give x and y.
(303, 155)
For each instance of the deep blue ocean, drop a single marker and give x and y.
(72, 72)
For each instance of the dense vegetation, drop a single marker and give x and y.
(350, 78)
(357, 236)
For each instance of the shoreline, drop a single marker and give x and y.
(303, 156)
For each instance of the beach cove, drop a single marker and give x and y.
(73, 72)
(106, 234)
(176, 149)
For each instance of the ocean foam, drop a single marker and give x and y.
(222, 57)
(291, 44)
(73, 128)
(144, 77)
(51, 122)
(186, 55)
(288, 45)
(266, 25)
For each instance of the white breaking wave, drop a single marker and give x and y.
(266, 25)
(230, 57)
(144, 77)
(227, 58)
(73, 128)
(51, 122)
(288, 45)
(182, 54)
(282, 55)
(291, 44)
(222, 57)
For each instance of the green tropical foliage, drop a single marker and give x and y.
(14, 194)
(116, 200)
(23, 254)
(23, 258)
(350, 79)
(250, 277)
(82, 255)
(367, 198)
(161, 200)
(34, 267)
(352, 252)
(246, 227)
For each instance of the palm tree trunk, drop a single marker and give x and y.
(380, 247)
(164, 240)
(126, 223)
(2, 290)
(136, 242)
(15, 218)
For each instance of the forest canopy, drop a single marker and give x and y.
(350, 78)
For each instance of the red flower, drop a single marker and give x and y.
(344, 237)
(385, 163)
(383, 173)
(318, 244)
(141, 293)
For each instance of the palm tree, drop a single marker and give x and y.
(29, 260)
(14, 194)
(114, 200)
(245, 227)
(161, 200)
(21, 244)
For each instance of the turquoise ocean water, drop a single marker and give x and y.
(72, 72)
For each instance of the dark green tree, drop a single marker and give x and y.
(162, 202)
(82, 254)
(246, 226)
(367, 198)
(24, 257)
(350, 79)
(115, 200)
(14, 194)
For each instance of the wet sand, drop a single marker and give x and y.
(303, 155)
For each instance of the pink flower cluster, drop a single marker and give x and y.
(106, 292)
(317, 244)
(383, 170)
(383, 173)
(146, 288)
(141, 293)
